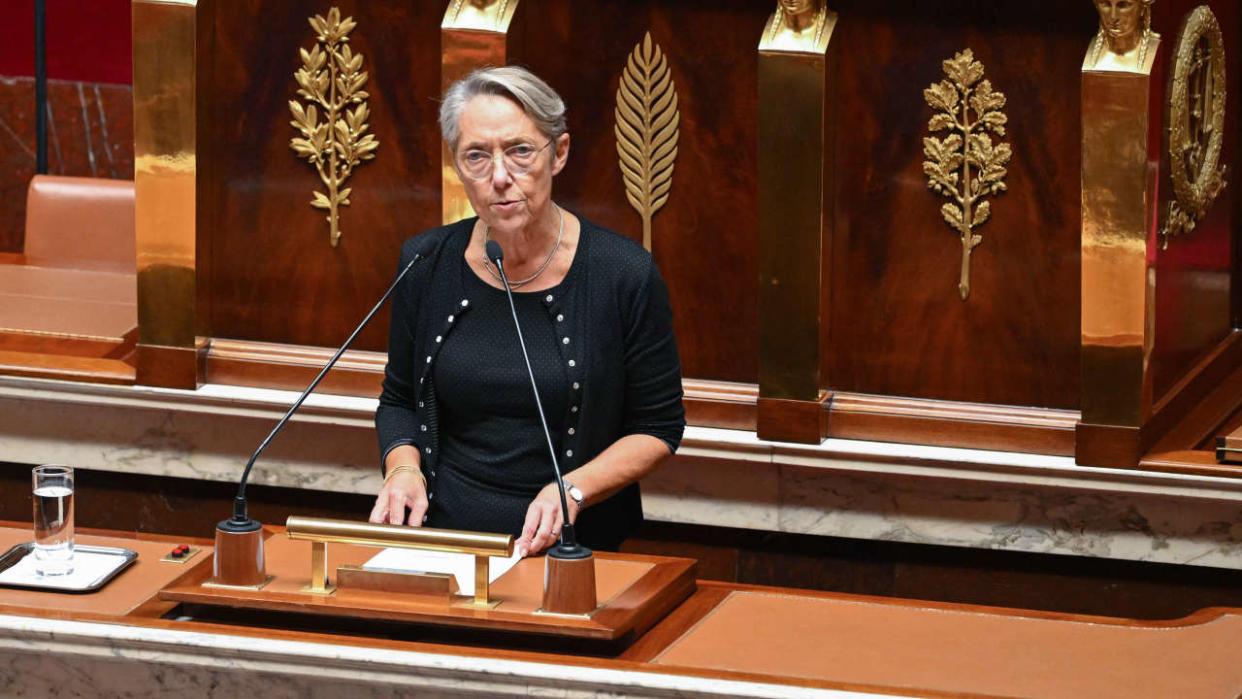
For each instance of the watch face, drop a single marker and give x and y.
(575, 493)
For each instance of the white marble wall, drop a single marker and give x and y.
(923, 509)
(865, 490)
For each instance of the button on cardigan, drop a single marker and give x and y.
(621, 360)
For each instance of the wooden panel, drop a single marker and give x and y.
(704, 237)
(66, 368)
(945, 423)
(272, 275)
(898, 326)
(292, 368)
(1193, 287)
(802, 421)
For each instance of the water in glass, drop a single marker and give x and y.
(53, 520)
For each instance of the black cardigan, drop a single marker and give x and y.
(622, 362)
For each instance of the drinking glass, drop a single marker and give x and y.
(53, 519)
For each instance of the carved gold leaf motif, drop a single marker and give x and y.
(965, 165)
(331, 79)
(647, 131)
(1196, 122)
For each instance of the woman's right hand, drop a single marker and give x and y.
(404, 490)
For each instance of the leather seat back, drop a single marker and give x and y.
(80, 222)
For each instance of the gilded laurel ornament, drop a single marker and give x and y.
(331, 79)
(1196, 122)
(647, 130)
(966, 165)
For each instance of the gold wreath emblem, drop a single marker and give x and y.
(1196, 106)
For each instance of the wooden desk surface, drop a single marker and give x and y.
(805, 639)
(982, 651)
(135, 585)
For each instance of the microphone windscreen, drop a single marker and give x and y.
(494, 253)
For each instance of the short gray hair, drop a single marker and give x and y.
(533, 95)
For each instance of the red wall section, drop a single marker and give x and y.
(87, 40)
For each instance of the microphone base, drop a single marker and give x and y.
(239, 555)
(569, 581)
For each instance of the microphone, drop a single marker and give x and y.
(568, 548)
(239, 544)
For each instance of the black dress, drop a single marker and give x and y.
(493, 453)
(613, 338)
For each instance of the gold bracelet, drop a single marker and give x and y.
(406, 467)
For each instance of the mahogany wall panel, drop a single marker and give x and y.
(704, 238)
(270, 272)
(897, 324)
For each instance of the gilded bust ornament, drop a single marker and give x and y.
(1196, 115)
(482, 15)
(1125, 41)
(798, 25)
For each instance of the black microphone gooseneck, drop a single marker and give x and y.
(568, 547)
(240, 521)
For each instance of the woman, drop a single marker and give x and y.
(460, 436)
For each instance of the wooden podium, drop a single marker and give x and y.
(634, 592)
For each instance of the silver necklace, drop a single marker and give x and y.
(487, 264)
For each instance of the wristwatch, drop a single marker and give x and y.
(574, 493)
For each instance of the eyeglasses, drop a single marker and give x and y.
(477, 164)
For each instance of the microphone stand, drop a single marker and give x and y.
(569, 573)
(239, 539)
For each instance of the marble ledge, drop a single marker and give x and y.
(724, 478)
(201, 434)
(49, 657)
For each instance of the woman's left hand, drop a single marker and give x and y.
(543, 520)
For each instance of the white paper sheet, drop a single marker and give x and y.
(460, 565)
(87, 568)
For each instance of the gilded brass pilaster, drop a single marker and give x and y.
(1118, 239)
(165, 182)
(796, 171)
(474, 34)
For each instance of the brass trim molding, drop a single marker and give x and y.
(1196, 108)
(647, 130)
(968, 146)
(331, 77)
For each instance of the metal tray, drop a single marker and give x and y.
(123, 559)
